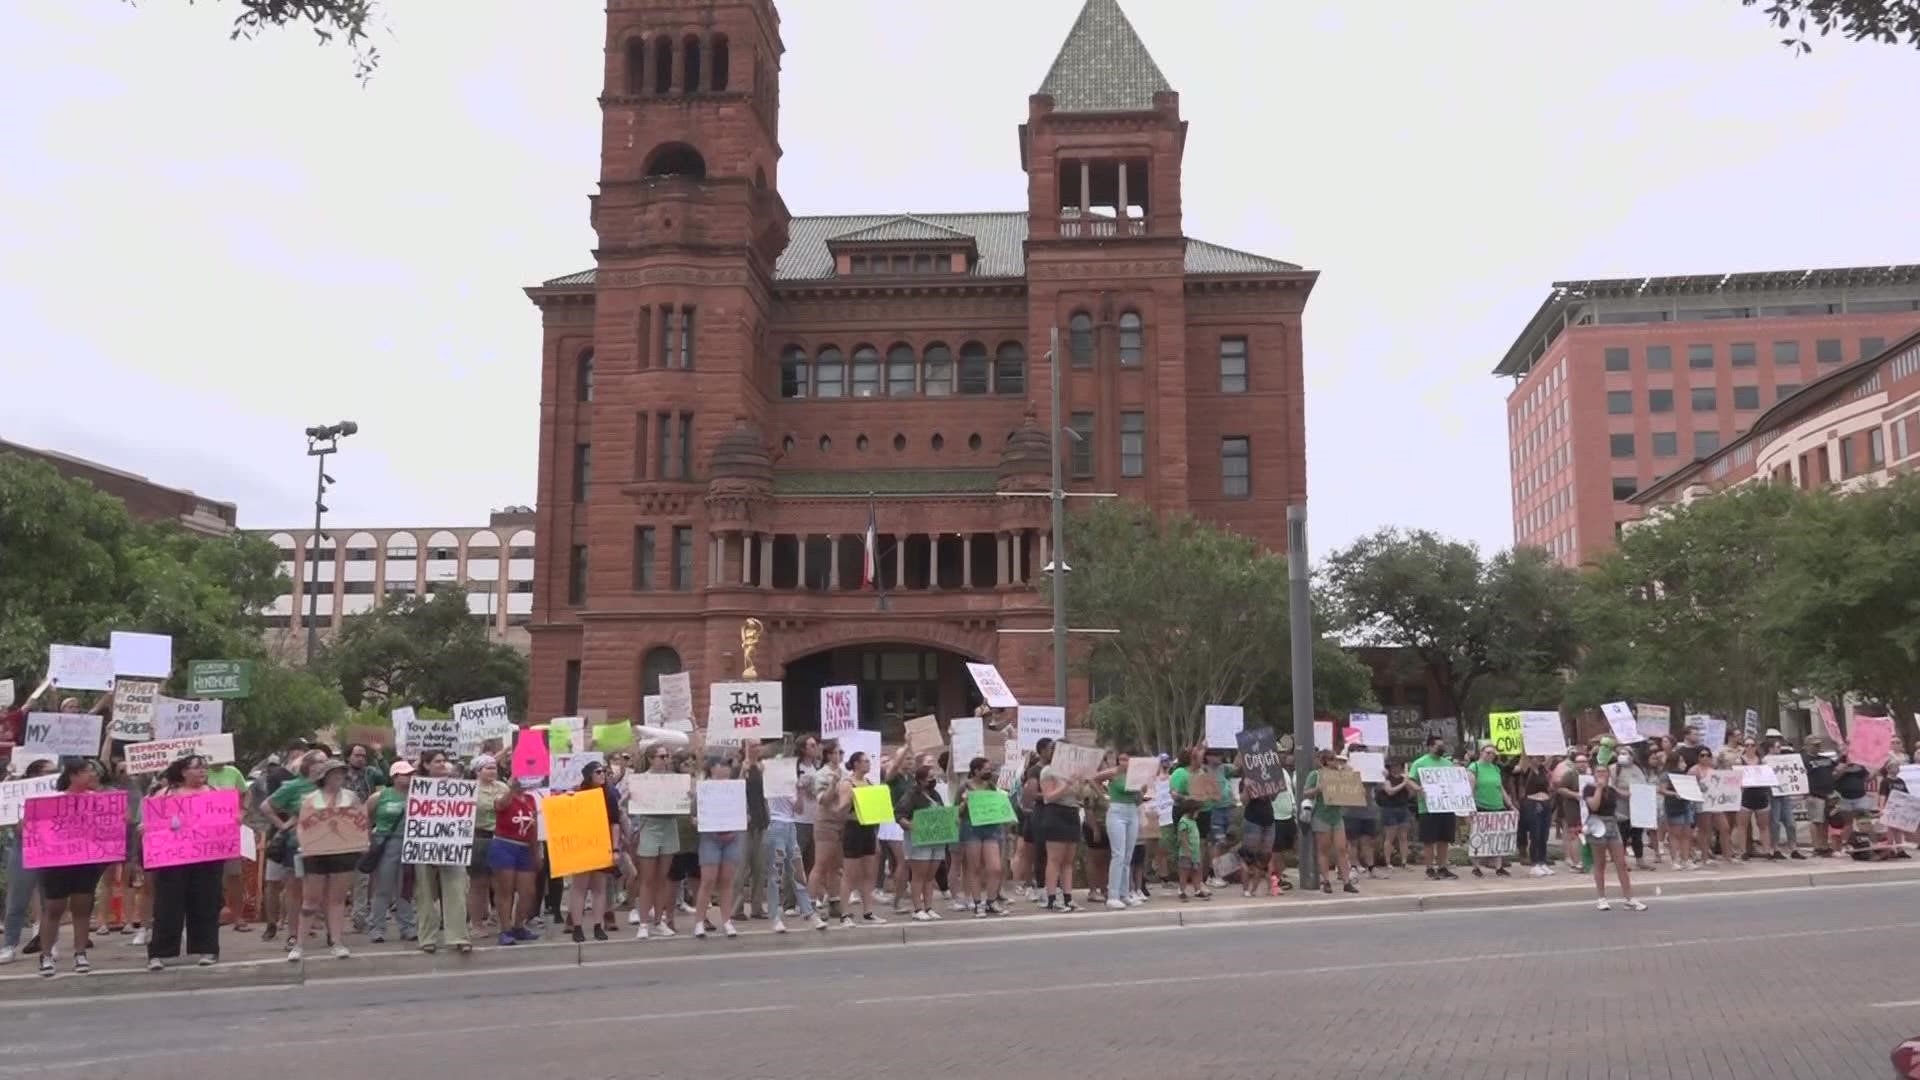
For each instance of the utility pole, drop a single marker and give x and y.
(322, 439)
(1058, 495)
(1300, 633)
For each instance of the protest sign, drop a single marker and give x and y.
(590, 717)
(653, 710)
(6, 694)
(20, 757)
(567, 734)
(175, 718)
(1072, 762)
(332, 830)
(1653, 720)
(993, 688)
(1342, 787)
(1446, 728)
(1162, 802)
(872, 804)
(478, 722)
(1204, 786)
(720, 806)
(867, 742)
(1713, 731)
(1750, 724)
(1721, 791)
(79, 667)
(1371, 766)
(1542, 734)
(1902, 812)
(133, 707)
(935, 825)
(1832, 724)
(15, 793)
(1687, 787)
(1323, 735)
(438, 830)
(969, 735)
(418, 736)
(400, 718)
(839, 710)
(1259, 765)
(923, 735)
(156, 755)
(1406, 733)
(1038, 722)
(579, 837)
(659, 794)
(568, 770)
(186, 828)
(780, 778)
(531, 758)
(1643, 806)
(1505, 731)
(61, 735)
(75, 829)
(1374, 729)
(1620, 718)
(614, 737)
(745, 710)
(1144, 769)
(218, 679)
(1910, 776)
(676, 693)
(1448, 790)
(1758, 776)
(145, 655)
(1493, 834)
(249, 844)
(1872, 741)
(986, 808)
(1791, 770)
(1224, 724)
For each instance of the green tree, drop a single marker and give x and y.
(1202, 615)
(328, 19)
(1469, 619)
(1887, 21)
(285, 703)
(423, 651)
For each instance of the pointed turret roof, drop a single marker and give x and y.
(1103, 66)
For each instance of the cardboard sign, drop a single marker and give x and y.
(1902, 812)
(146, 655)
(1872, 742)
(1038, 722)
(478, 722)
(568, 771)
(663, 794)
(1494, 834)
(749, 710)
(333, 830)
(780, 778)
(1721, 791)
(1074, 763)
(531, 758)
(15, 793)
(1643, 806)
(73, 829)
(1448, 790)
(1542, 734)
(1503, 728)
(969, 735)
(1143, 770)
(438, 829)
(187, 828)
(1224, 724)
(1371, 766)
(174, 718)
(1791, 771)
(155, 756)
(872, 804)
(78, 667)
(993, 688)
(1620, 718)
(217, 679)
(61, 735)
(1374, 729)
(1342, 787)
(1260, 774)
(1203, 786)
(1653, 720)
(579, 837)
(721, 806)
(923, 735)
(986, 808)
(133, 708)
(839, 710)
(676, 693)
(1686, 787)
(935, 825)
(1758, 776)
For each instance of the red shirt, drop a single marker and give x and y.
(12, 725)
(518, 819)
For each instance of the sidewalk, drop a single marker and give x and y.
(247, 961)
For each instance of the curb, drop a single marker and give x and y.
(131, 981)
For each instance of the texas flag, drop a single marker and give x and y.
(870, 566)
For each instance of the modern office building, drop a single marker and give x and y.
(733, 395)
(144, 499)
(1620, 382)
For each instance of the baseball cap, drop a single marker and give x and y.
(401, 768)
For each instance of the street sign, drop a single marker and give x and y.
(219, 678)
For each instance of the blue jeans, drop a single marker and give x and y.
(780, 847)
(387, 894)
(22, 884)
(1123, 832)
(1785, 832)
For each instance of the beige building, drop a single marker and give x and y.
(350, 571)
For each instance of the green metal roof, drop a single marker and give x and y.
(887, 482)
(1103, 66)
(903, 227)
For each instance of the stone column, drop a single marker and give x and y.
(933, 562)
(1046, 549)
(833, 561)
(800, 580)
(1003, 547)
(1086, 188)
(746, 558)
(766, 560)
(899, 563)
(1020, 557)
(966, 560)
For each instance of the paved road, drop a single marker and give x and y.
(1799, 983)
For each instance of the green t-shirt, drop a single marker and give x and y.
(226, 778)
(286, 799)
(1489, 792)
(1182, 776)
(1324, 812)
(1117, 791)
(489, 796)
(1426, 761)
(389, 810)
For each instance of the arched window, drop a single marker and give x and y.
(1080, 339)
(900, 371)
(663, 65)
(939, 379)
(676, 159)
(583, 377)
(636, 66)
(793, 372)
(829, 373)
(690, 65)
(975, 372)
(1010, 369)
(660, 660)
(866, 371)
(720, 62)
(1133, 339)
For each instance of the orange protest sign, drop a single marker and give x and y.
(579, 838)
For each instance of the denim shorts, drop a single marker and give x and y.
(1256, 837)
(982, 834)
(656, 836)
(1395, 817)
(1685, 819)
(509, 856)
(720, 848)
(1217, 822)
(930, 853)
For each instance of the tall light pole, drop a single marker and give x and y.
(322, 439)
(1300, 630)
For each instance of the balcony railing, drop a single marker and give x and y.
(1101, 228)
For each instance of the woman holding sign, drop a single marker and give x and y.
(859, 846)
(1603, 836)
(65, 889)
(1329, 827)
(829, 828)
(980, 844)
(328, 878)
(922, 858)
(1756, 807)
(186, 896)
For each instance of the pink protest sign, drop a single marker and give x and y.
(75, 829)
(1872, 741)
(530, 754)
(190, 828)
(1832, 724)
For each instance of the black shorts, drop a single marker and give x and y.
(1438, 828)
(685, 865)
(477, 866)
(1059, 824)
(1030, 825)
(330, 864)
(1285, 835)
(859, 841)
(1755, 798)
(1358, 827)
(61, 882)
(1095, 839)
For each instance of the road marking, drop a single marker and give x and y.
(1897, 1004)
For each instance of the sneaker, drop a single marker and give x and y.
(846, 922)
(1121, 905)
(377, 939)
(1216, 883)
(1066, 905)
(1502, 872)
(156, 965)
(686, 908)
(269, 933)
(979, 911)
(727, 928)
(1477, 873)
(995, 907)
(208, 960)
(819, 922)
(341, 952)
(81, 964)
(870, 919)
(959, 905)
(578, 935)
(293, 954)
(921, 916)
(882, 896)
(1797, 855)
(700, 928)
(662, 930)
(934, 915)
(7, 953)
(1432, 874)
(1603, 905)
(1636, 905)
(1133, 901)
(599, 932)
(523, 934)
(780, 926)
(1350, 887)
(46, 965)
(507, 938)
(1777, 857)
(139, 938)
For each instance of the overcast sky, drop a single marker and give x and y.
(207, 246)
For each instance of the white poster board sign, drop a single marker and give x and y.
(1686, 787)
(423, 736)
(993, 688)
(1626, 728)
(155, 756)
(1494, 834)
(750, 710)
(1370, 764)
(438, 829)
(659, 794)
(1653, 720)
(1373, 729)
(133, 705)
(839, 710)
(1758, 776)
(722, 805)
(1224, 724)
(59, 735)
(1722, 791)
(1323, 735)
(146, 655)
(476, 722)
(1713, 731)
(1448, 790)
(1541, 734)
(653, 711)
(570, 769)
(1791, 771)
(15, 793)
(79, 667)
(1902, 812)
(676, 692)
(780, 778)
(867, 742)
(969, 735)
(1643, 806)
(1038, 722)
(177, 718)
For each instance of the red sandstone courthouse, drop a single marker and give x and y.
(732, 390)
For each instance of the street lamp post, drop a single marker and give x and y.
(322, 439)
(1058, 496)
(1300, 630)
